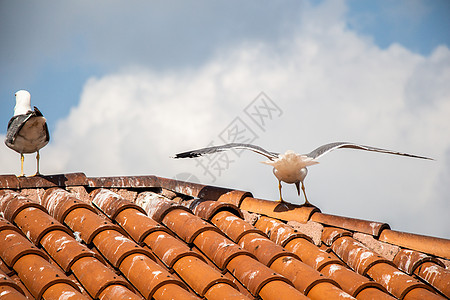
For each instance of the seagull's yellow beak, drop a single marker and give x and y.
(297, 185)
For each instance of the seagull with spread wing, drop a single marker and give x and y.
(27, 130)
(290, 167)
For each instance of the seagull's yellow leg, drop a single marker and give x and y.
(22, 158)
(279, 188)
(304, 193)
(37, 164)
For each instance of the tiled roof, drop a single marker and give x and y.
(73, 237)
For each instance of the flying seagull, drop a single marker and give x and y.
(290, 167)
(27, 130)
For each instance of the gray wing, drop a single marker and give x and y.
(324, 149)
(38, 113)
(214, 149)
(14, 125)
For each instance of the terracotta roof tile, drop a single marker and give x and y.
(12, 203)
(174, 253)
(111, 204)
(138, 225)
(167, 248)
(14, 245)
(283, 211)
(356, 255)
(9, 289)
(87, 268)
(219, 248)
(278, 231)
(65, 250)
(71, 179)
(31, 264)
(396, 282)
(369, 227)
(60, 203)
(185, 226)
(409, 260)
(233, 226)
(327, 263)
(428, 268)
(386, 250)
(40, 225)
(435, 275)
(207, 209)
(136, 237)
(9, 182)
(275, 256)
(431, 245)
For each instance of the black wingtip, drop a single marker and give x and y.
(37, 112)
(185, 155)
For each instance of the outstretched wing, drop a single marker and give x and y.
(214, 149)
(324, 149)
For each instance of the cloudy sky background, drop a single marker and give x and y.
(125, 85)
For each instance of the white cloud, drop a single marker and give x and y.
(331, 85)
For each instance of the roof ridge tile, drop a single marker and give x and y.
(9, 181)
(283, 211)
(206, 192)
(427, 244)
(352, 224)
(56, 180)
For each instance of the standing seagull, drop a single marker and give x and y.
(27, 130)
(290, 167)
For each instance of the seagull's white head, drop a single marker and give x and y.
(291, 167)
(23, 102)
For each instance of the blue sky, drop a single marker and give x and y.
(52, 48)
(125, 86)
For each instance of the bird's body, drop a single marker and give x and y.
(286, 166)
(27, 130)
(290, 167)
